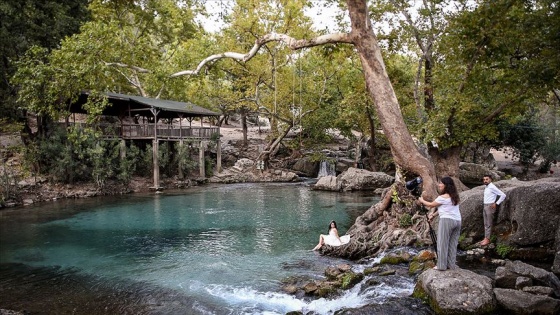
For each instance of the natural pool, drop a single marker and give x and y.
(215, 249)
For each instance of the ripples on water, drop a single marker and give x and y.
(208, 250)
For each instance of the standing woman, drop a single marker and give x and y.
(449, 228)
(332, 237)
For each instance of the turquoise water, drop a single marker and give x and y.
(227, 247)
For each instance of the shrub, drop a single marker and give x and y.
(503, 250)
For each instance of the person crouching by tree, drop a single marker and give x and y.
(491, 193)
(449, 227)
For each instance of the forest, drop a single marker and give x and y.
(425, 78)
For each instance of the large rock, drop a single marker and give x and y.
(508, 276)
(529, 216)
(457, 291)
(327, 183)
(244, 171)
(519, 302)
(306, 167)
(556, 263)
(472, 174)
(360, 179)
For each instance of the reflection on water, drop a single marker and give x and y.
(209, 249)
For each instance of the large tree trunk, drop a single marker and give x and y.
(447, 163)
(272, 148)
(244, 127)
(378, 228)
(404, 151)
(371, 147)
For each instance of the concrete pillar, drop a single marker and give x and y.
(156, 163)
(180, 148)
(122, 149)
(201, 164)
(218, 156)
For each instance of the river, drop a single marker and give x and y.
(214, 249)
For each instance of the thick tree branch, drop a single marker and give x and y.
(556, 93)
(500, 108)
(291, 42)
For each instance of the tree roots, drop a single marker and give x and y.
(396, 220)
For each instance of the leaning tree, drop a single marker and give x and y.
(369, 235)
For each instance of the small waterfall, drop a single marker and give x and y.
(327, 169)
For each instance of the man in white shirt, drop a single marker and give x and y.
(491, 193)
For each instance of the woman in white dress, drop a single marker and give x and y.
(332, 238)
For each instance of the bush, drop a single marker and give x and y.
(503, 250)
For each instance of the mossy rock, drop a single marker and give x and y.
(424, 255)
(325, 290)
(370, 270)
(350, 279)
(415, 267)
(395, 259)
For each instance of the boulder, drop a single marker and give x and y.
(519, 269)
(456, 291)
(539, 290)
(327, 183)
(243, 165)
(519, 302)
(529, 216)
(471, 173)
(306, 167)
(556, 263)
(360, 179)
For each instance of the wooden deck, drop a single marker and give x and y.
(163, 132)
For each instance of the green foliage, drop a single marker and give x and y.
(485, 62)
(27, 23)
(126, 47)
(7, 126)
(208, 167)
(395, 197)
(503, 250)
(526, 138)
(405, 220)
(128, 165)
(78, 154)
(146, 162)
(165, 160)
(184, 158)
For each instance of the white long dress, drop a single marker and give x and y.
(332, 240)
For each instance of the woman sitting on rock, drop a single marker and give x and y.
(332, 238)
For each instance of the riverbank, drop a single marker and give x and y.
(33, 189)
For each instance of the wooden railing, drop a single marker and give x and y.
(146, 131)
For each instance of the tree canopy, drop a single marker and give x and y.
(443, 71)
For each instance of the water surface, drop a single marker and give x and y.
(207, 250)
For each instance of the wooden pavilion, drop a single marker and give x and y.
(141, 118)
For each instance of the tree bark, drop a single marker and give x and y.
(446, 163)
(243, 113)
(405, 152)
(371, 147)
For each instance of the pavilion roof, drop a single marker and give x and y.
(125, 105)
